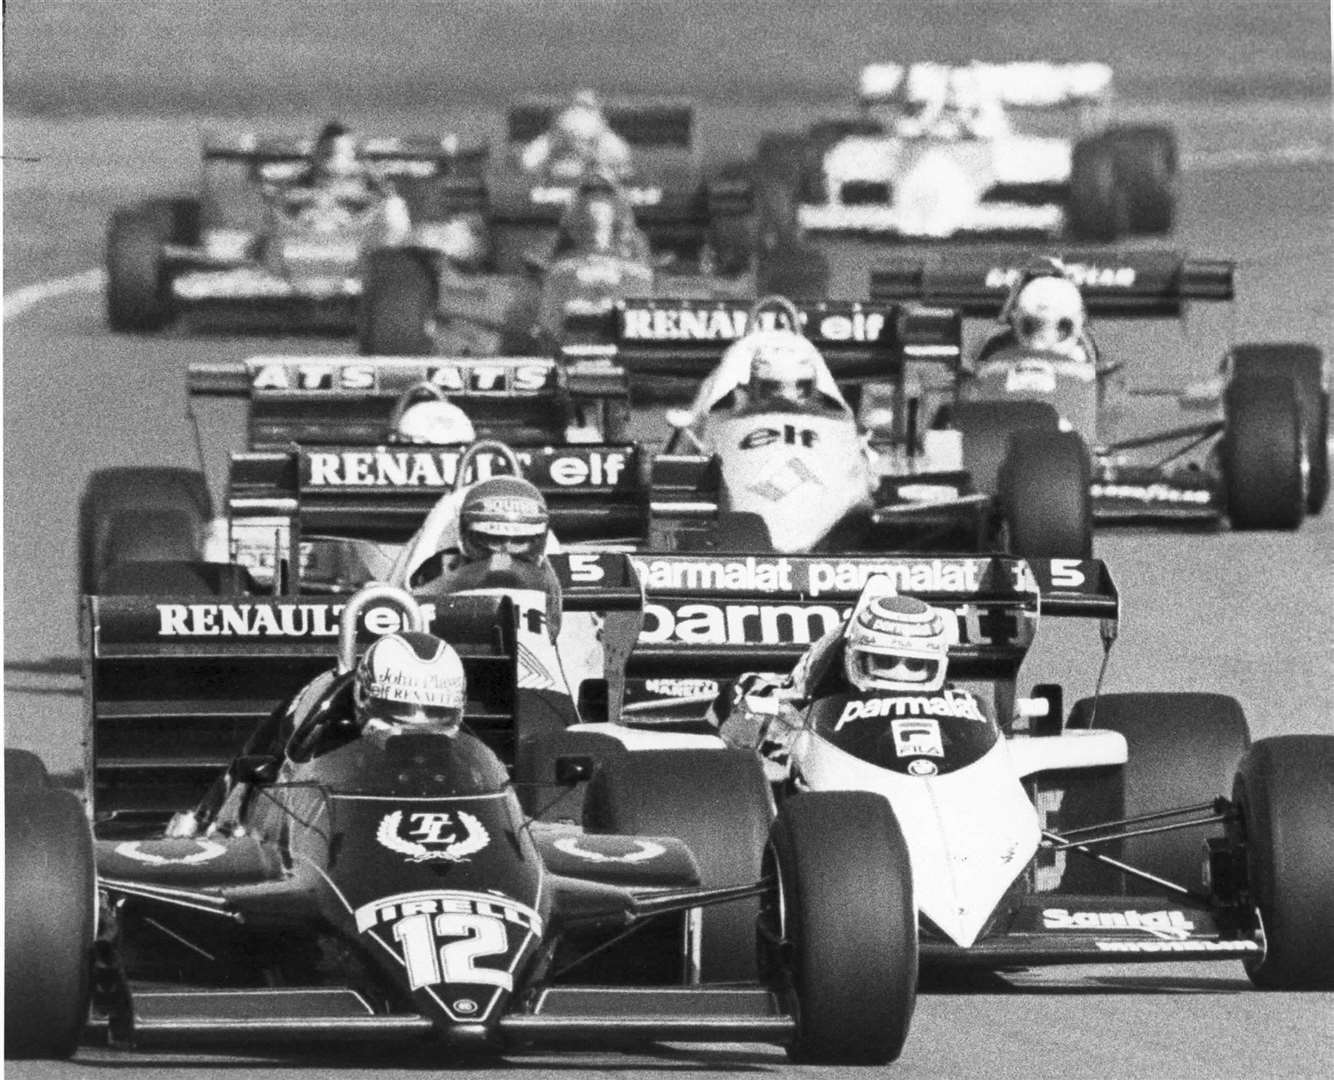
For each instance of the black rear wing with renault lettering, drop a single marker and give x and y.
(859, 340)
(315, 400)
(175, 686)
(1114, 284)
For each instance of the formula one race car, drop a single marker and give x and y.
(1267, 461)
(936, 152)
(396, 882)
(1145, 827)
(605, 247)
(321, 460)
(256, 242)
(809, 474)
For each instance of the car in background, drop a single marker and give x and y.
(940, 152)
(244, 249)
(1260, 462)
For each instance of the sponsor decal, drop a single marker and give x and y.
(913, 738)
(552, 195)
(510, 504)
(1152, 493)
(451, 836)
(455, 378)
(737, 624)
(391, 468)
(812, 577)
(442, 936)
(165, 855)
(681, 688)
(1032, 377)
(788, 434)
(1082, 274)
(1178, 946)
(1165, 925)
(280, 620)
(718, 324)
(922, 767)
(951, 704)
(643, 851)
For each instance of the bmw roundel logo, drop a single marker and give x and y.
(922, 767)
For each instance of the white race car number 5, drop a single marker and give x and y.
(429, 962)
(1067, 573)
(585, 567)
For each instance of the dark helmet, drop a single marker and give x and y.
(503, 516)
(334, 151)
(410, 679)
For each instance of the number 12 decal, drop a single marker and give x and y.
(475, 936)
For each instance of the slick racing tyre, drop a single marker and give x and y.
(1146, 166)
(25, 769)
(719, 803)
(986, 427)
(1264, 453)
(50, 911)
(839, 933)
(131, 514)
(1183, 751)
(398, 304)
(138, 289)
(1044, 494)
(1285, 793)
(1305, 365)
(1099, 206)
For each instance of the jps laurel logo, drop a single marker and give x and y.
(452, 836)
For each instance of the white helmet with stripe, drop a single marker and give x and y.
(410, 680)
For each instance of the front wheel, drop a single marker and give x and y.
(1284, 791)
(839, 932)
(50, 887)
(1045, 501)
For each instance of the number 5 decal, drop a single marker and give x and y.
(1067, 573)
(453, 962)
(585, 567)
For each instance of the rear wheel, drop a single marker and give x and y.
(1044, 491)
(1285, 793)
(130, 514)
(1183, 751)
(719, 803)
(1305, 365)
(398, 305)
(50, 913)
(1146, 163)
(138, 291)
(839, 934)
(1099, 206)
(1264, 453)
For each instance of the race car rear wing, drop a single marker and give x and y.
(315, 400)
(593, 491)
(1127, 284)
(685, 338)
(281, 157)
(174, 686)
(1024, 85)
(645, 125)
(720, 615)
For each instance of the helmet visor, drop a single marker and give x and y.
(870, 670)
(414, 714)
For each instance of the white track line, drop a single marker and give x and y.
(21, 300)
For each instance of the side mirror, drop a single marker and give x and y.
(594, 702)
(1044, 708)
(255, 769)
(574, 769)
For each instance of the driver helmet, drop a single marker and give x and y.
(783, 367)
(594, 220)
(505, 515)
(334, 155)
(898, 643)
(410, 680)
(582, 123)
(1048, 314)
(433, 423)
